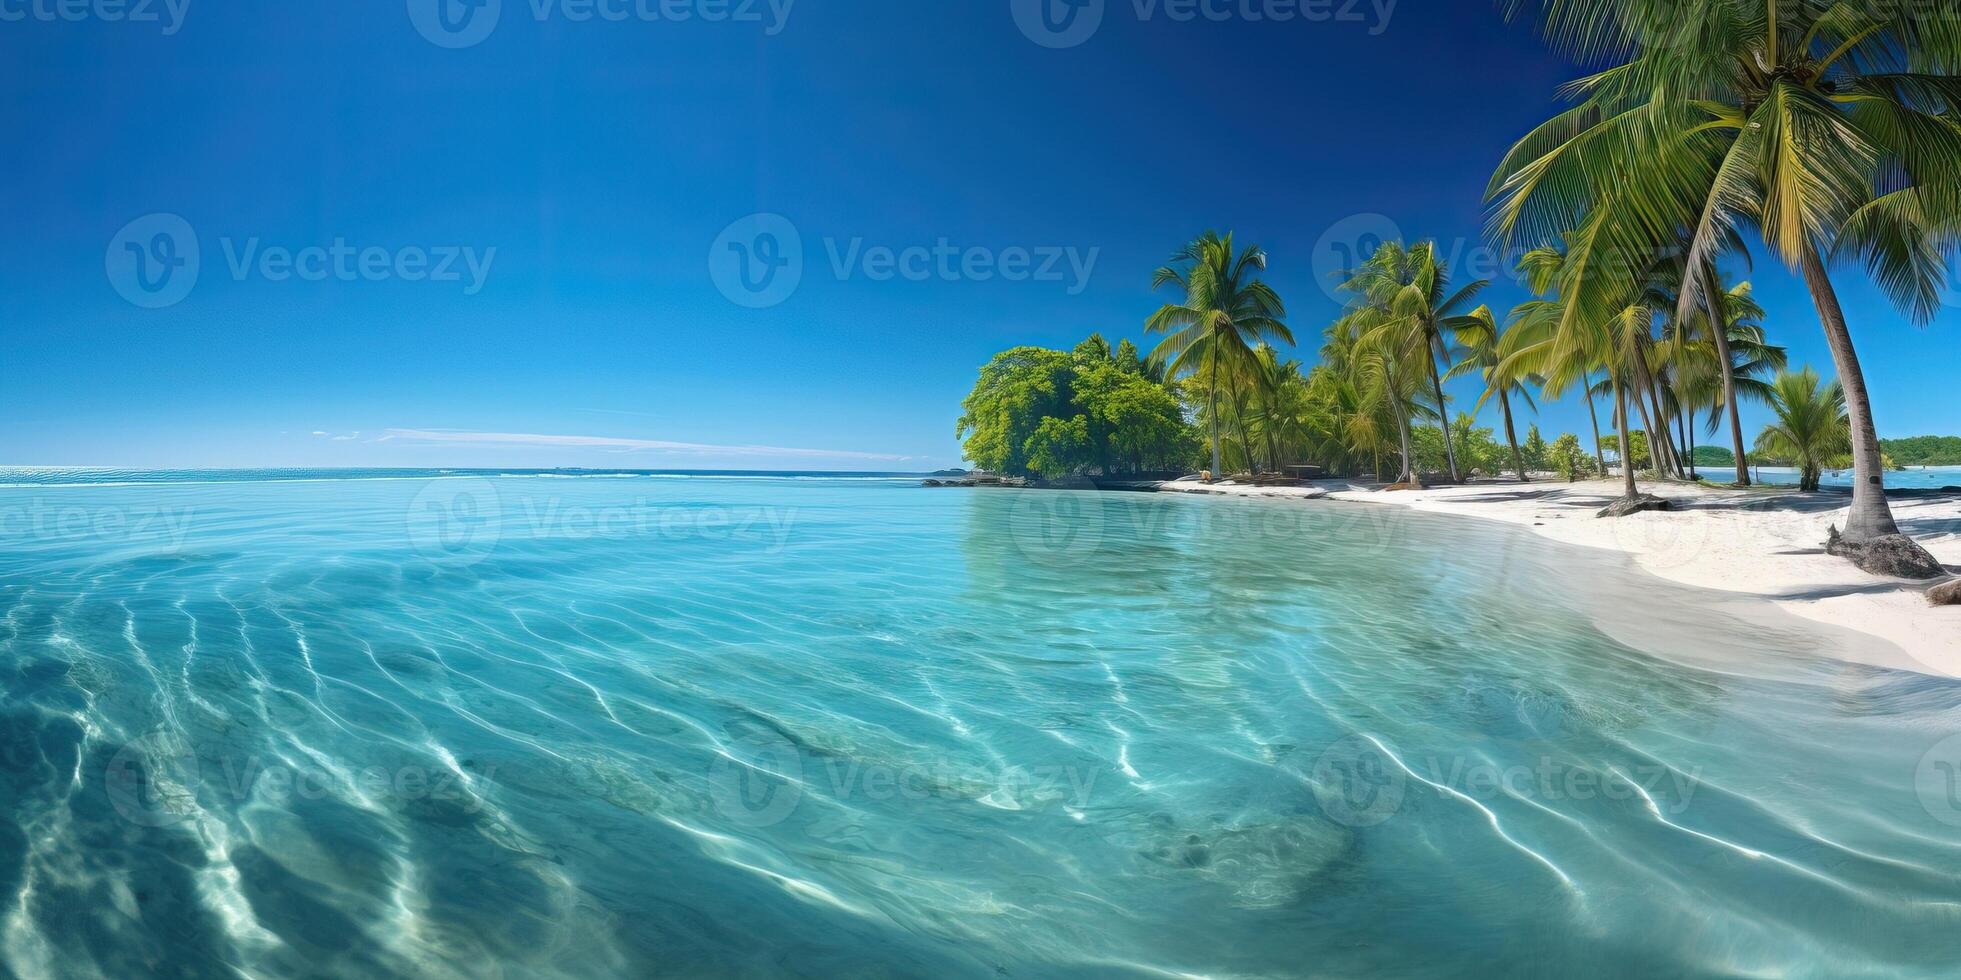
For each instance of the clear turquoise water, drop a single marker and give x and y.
(640, 726)
(1930, 478)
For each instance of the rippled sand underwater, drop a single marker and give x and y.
(522, 726)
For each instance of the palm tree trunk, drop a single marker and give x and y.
(1599, 446)
(1272, 440)
(1661, 444)
(1688, 450)
(1218, 466)
(1511, 435)
(1719, 328)
(1245, 439)
(1647, 425)
(1690, 430)
(1627, 445)
(1658, 435)
(1871, 517)
(1443, 413)
(1402, 430)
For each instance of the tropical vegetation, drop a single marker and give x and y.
(1925, 450)
(1812, 431)
(1822, 133)
(1050, 413)
(1824, 130)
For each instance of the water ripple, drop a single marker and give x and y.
(621, 726)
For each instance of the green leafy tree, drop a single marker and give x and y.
(1537, 453)
(1925, 450)
(1052, 413)
(1059, 447)
(1715, 457)
(1569, 458)
(1017, 390)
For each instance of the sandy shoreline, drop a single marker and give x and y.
(1766, 543)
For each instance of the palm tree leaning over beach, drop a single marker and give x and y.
(1811, 430)
(1227, 311)
(1830, 128)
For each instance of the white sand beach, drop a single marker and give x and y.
(1760, 542)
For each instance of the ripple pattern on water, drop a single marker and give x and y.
(619, 726)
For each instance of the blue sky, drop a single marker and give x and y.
(590, 167)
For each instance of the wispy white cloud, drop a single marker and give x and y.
(348, 437)
(612, 444)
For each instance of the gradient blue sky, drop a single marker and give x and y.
(601, 160)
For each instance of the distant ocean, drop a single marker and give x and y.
(1916, 478)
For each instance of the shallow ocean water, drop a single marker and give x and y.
(1915, 478)
(487, 725)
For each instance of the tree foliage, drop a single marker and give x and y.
(1053, 413)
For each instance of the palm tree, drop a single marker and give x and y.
(1828, 127)
(1549, 339)
(1355, 420)
(1282, 408)
(1541, 268)
(1227, 310)
(1701, 383)
(1479, 338)
(1812, 429)
(1409, 290)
